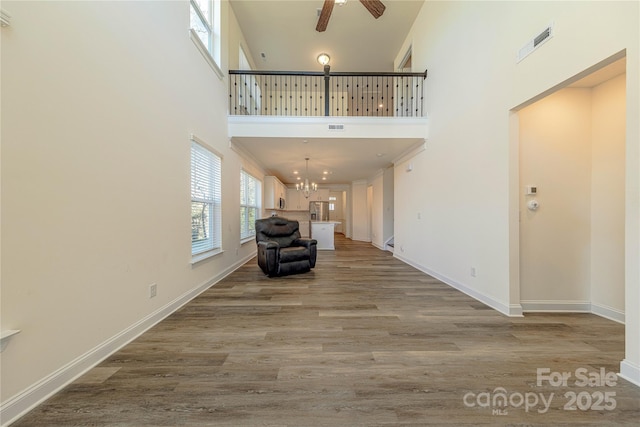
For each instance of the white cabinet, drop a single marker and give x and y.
(274, 191)
(296, 201)
(323, 232)
(319, 196)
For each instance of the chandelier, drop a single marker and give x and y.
(306, 187)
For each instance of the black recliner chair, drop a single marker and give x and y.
(281, 250)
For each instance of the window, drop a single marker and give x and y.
(249, 205)
(206, 201)
(332, 203)
(204, 21)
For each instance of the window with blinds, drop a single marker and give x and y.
(249, 205)
(206, 200)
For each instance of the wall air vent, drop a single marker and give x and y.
(336, 127)
(535, 43)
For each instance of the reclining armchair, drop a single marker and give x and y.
(281, 250)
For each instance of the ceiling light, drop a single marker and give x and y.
(306, 187)
(341, 2)
(323, 59)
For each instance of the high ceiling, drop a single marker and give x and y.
(284, 31)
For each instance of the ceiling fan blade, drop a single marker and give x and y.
(375, 7)
(325, 14)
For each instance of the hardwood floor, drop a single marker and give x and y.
(363, 339)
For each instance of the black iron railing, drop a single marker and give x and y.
(307, 94)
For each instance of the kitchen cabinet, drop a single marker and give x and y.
(323, 231)
(274, 192)
(319, 196)
(296, 200)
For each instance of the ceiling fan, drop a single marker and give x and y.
(375, 7)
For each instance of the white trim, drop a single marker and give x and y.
(410, 153)
(5, 337)
(322, 120)
(23, 402)
(195, 259)
(192, 137)
(205, 53)
(511, 310)
(246, 157)
(608, 312)
(559, 306)
(630, 372)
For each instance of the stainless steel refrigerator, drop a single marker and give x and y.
(319, 211)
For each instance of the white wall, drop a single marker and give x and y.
(377, 210)
(387, 194)
(468, 174)
(555, 239)
(359, 212)
(607, 195)
(96, 121)
(572, 247)
(338, 213)
(382, 207)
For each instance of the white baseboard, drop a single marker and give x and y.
(23, 402)
(630, 372)
(551, 306)
(608, 312)
(512, 310)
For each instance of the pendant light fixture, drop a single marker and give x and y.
(306, 187)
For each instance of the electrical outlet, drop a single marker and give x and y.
(473, 272)
(153, 290)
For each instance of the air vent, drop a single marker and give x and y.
(336, 127)
(535, 43)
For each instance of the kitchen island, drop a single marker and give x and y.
(323, 231)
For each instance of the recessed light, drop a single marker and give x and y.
(324, 178)
(295, 172)
(325, 173)
(380, 154)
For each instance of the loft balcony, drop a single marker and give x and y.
(327, 104)
(328, 94)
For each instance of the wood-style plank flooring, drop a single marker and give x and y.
(362, 340)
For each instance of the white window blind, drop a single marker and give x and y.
(206, 200)
(249, 204)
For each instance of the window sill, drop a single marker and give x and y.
(195, 259)
(247, 240)
(206, 54)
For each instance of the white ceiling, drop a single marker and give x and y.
(343, 160)
(285, 32)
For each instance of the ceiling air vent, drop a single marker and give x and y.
(535, 43)
(336, 127)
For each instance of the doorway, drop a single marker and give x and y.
(571, 197)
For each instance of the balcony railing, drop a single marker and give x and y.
(308, 94)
